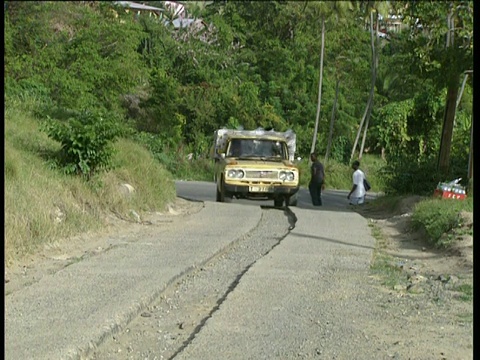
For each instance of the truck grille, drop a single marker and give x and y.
(258, 174)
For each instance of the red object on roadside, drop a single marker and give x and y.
(448, 195)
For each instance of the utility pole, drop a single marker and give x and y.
(470, 155)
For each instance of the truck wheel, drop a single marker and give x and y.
(222, 195)
(278, 202)
(293, 200)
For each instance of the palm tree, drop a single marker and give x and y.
(333, 10)
(332, 120)
(314, 141)
(371, 7)
(370, 96)
(374, 78)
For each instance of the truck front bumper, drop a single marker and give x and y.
(259, 190)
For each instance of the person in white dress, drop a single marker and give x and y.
(357, 194)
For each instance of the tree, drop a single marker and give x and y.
(336, 9)
(368, 108)
(444, 49)
(314, 140)
(332, 120)
(370, 8)
(374, 79)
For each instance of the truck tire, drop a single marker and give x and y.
(293, 200)
(278, 202)
(222, 195)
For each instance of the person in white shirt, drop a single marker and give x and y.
(357, 194)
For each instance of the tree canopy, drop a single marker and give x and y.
(254, 64)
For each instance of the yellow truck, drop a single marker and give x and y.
(256, 164)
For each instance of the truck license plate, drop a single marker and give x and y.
(259, 189)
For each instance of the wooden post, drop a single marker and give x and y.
(470, 156)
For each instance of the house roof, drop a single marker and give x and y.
(184, 23)
(137, 6)
(177, 23)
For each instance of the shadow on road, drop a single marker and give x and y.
(291, 217)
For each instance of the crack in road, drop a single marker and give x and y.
(292, 219)
(185, 306)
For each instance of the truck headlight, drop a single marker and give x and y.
(286, 175)
(236, 174)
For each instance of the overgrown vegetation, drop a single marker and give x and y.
(107, 86)
(440, 217)
(443, 220)
(466, 291)
(383, 265)
(86, 142)
(179, 85)
(43, 205)
(444, 223)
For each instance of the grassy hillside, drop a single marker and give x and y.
(43, 206)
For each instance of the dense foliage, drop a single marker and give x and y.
(438, 218)
(250, 64)
(86, 142)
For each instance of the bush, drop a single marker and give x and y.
(338, 175)
(406, 174)
(86, 140)
(45, 207)
(439, 216)
(134, 165)
(179, 161)
(341, 150)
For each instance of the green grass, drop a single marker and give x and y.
(439, 217)
(338, 176)
(383, 265)
(466, 291)
(465, 318)
(44, 206)
(388, 204)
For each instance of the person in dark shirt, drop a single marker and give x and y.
(316, 181)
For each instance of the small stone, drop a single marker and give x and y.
(415, 288)
(127, 189)
(442, 278)
(452, 279)
(417, 278)
(135, 215)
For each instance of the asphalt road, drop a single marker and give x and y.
(280, 294)
(205, 191)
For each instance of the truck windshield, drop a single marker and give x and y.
(257, 148)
